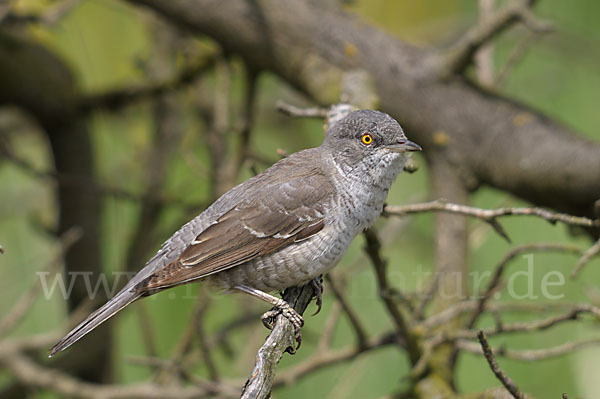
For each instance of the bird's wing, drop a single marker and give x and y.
(257, 226)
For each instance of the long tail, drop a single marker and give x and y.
(109, 309)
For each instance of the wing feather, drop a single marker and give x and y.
(254, 227)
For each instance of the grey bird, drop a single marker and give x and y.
(284, 227)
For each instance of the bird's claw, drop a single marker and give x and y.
(269, 318)
(317, 285)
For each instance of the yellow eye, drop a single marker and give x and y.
(366, 139)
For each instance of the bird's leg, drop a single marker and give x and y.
(280, 307)
(317, 285)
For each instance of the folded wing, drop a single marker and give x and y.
(255, 227)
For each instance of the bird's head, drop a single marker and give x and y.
(368, 137)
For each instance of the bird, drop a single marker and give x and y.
(284, 227)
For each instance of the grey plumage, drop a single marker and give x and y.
(283, 227)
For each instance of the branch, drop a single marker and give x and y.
(34, 375)
(302, 46)
(458, 56)
(386, 293)
(91, 185)
(501, 375)
(587, 256)
(443, 337)
(280, 340)
(331, 357)
(499, 270)
(24, 303)
(490, 216)
(51, 16)
(468, 306)
(248, 112)
(117, 99)
(533, 354)
(527, 326)
(292, 110)
(359, 331)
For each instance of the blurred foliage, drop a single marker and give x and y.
(107, 44)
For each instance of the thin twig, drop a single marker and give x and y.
(247, 119)
(526, 326)
(452, 336)
(330, 324)
(218, 120)
(499, 270)
(89, 184)
(372, 249)
(205, 348)
(489, 216)
(359, 331)
(587, 256)
(221, 336)
(34, 375)
(533, 354)
(25, 302)
(516, 55)
(458, 56)
(147, 331)
(291, 110)
(428, 295)
(51, 16)
(484, 57)
(500, 374)
(117, 99)
(329, 358)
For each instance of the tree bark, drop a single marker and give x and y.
(488, 139)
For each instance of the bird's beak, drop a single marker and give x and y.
(404, 146)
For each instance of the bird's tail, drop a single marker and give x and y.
(110, 308)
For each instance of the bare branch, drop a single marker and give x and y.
(331, 357)
(428, 295)
(499, 270)
(469, 305)
(587, 256)
(92, 185)
(330, 324)
(458, 56)
(513, 59)
(24, 303)
(484, 56)
(36, 376)
(279, 341)
(117, 99)
(454, 335)
(489, 215)
(569, 180)
(533, 354)
(292, 110)
(247, 118)
(205, 348)
(527, 326)
(359, 331)
(500, 374)
(386, 292)
(51, 16)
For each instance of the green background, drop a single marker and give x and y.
(104, 41)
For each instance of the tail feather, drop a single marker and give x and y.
(106, 311)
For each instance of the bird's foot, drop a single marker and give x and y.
(317, 285)
(280, 307)
(283, 308)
